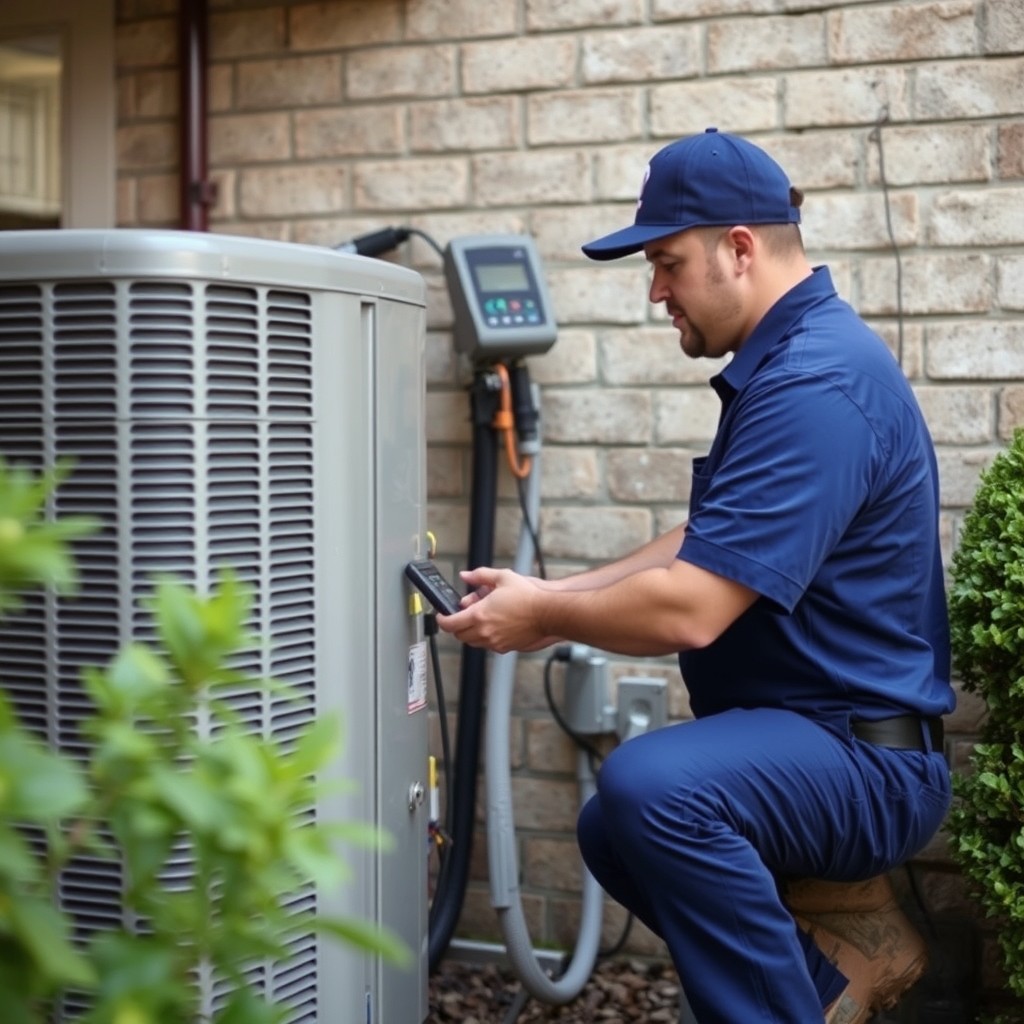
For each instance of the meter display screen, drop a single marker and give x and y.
(501, 277)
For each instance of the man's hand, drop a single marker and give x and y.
(502, 614)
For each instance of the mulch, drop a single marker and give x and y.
(619, 990)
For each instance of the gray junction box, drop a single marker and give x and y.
(258, 405)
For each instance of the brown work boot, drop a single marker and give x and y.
(860, 927)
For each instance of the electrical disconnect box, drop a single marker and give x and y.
(259, 405)
(499, 297)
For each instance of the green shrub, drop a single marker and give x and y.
(152, 784)
(987, 624)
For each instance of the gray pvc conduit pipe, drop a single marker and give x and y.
(501, 839)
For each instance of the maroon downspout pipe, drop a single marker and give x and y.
(197, 193)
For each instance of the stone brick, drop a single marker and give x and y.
(271, 230)
(951, 90)
(447, 417)
(959, 472)
(591, 115)
(249, 138)
(685, 415)
(1010, 150)
(544, 16)
(1004, 26)
(127, 202)
(521, 179)
(478, 919)
(545, 803)
(548, 749)
(823, 159)
(158, 200)
(975, 350)
(430, 20)
(290, 82)
(146, 147)
(487, 122)
(749, 44)
(344, 24)
(1010, 416)
(247, 33)
(292, 191)
(651, 355)
(146, 44)
(619, 173)
(569, 473)
(410, 184)
(592, 532)
(446, 476)
(1010, 282)
(957, 415)
(544, 62)
(739, 104)
(448, 520)
(641, 54)
(672, 10)
(901, 32)
(552, 863)
(909, 352)
(856, 220)
(559, 231)
(937, 154)
(845, 96)
(220, 88)
(348, 131)
(443, 225)
(439, 307)
(571, 360)
(154, 94)
(440, 358)
(599, 294)
(992, 217)
(650, 474)
(400, 71)
(597, 416)
(931, 284)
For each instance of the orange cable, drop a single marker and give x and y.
(505, 422)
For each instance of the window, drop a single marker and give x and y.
(57, 165)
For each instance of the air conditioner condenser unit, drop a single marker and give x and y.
(258, 405)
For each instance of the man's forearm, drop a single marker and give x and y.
(658, 554)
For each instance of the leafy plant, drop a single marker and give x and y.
(986, 604)
(155, 788)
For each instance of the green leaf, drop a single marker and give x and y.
(43, 930)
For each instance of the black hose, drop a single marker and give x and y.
(451, 883)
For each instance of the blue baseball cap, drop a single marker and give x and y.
(700, 181)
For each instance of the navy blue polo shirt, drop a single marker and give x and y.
(820, 492)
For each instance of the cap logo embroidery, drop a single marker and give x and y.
(643, 185)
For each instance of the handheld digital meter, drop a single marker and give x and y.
(499, 296)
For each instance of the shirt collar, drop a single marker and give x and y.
(772, 327)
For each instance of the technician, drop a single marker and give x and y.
(804, 596)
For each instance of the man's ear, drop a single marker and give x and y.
(741, 243)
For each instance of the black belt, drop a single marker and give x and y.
(905, 732)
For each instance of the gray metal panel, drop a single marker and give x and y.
(402, 754)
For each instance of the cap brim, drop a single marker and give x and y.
(628, 240)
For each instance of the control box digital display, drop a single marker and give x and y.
(499, 296)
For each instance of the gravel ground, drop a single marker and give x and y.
(620, 990)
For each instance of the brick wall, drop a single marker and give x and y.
(456, 117)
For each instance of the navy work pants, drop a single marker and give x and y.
(694, 826)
